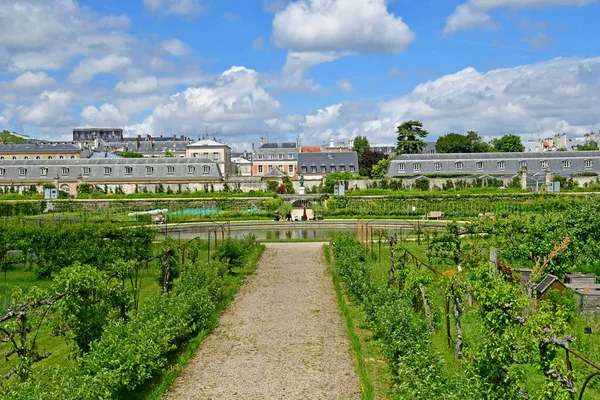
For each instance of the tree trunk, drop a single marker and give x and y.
(426, 306)
(447, 311)
(457, 312)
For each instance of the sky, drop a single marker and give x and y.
(307, 69)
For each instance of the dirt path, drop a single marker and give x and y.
(282, 338)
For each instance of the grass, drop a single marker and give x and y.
(373, 370)
(159, 386)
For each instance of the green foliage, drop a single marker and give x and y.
(380, 169)
(272, 186)
(334, 178)
(233, 252)
(169, 154)
(422, 184)
(457, 143)
(410, 138)
(361, 144)
(131, 154)
(508, 144)
(8, 138)
(368, 160)
(590, 145)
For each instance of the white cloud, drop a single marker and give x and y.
(473, 13)
(296, 66)
(51, 108)
(345, 86)
(362, 26)
(107, 115)
(137, 86)
(175, 47)
(89, 67)
(236, 103)
(172, 7)
(273, 6)
(559, 95)
(30, 80)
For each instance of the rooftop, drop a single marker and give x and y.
(39, 148)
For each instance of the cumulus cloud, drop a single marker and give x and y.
(175, 47)
(296, 66)
(559, 95)
(31, 80)
(235, 103)
(362, 26)
(137, 86)
(173, 7)
(89, 67)
(50, 109)
(345, 86)
(107, 115)
(473, 14)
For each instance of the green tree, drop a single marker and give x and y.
(508, 144)
(380, 169)
(131, 154)
(590, 145)
(169, 154)
(8, 138)
(457, 143)
(410, 138)
(477, 144)
(368, 160)
(361, 143)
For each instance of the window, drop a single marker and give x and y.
(72, 157)
(291, 168)
(14, 158)
(304, 169)
(49, 157)
(37, 157)
(107, 170)
(191, 169)
(43, 171)
(589, 163)
(522, 164)
(281, 156)
(22, 171)
(61, 158)
(416, 167)
(206, 169)
(1, 171)
(260, 156)
(313, 168)
(501, 165)
(270, 156)
(332, 168)
(437, 166)
(216, 156)
(566, 164)
(129, 170)
(323, 168)
(544, 164)
(1, 158)
(342, 168)
(149, 170)
(26, 158)
(269, 168)
(170, 169)
(195, 155)
(260, 169)
(290, 156)
(401, 167)
(351, 168)
(459, 165)
(280, 167)
(86, 170)
(65, 171)
(479, 165)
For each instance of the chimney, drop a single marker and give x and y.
(182, 138)
(263, 141)
(331, 143)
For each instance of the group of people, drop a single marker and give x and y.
(288, 217)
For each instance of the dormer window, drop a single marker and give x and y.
(86, 171)
(170, 170)
(191, 169)
(501, 165)
(416, 167)
(1, 171)
(43, 171)
(206, 169)
(459, 165)
(437, 166)
(22, 171)
(401, 167)
(566, 164)
(523, 164)
(589, 164)
(304, 169)
(128, 170)
(544, 164)
(65, 171)
(479, 165)
(107, 170)
(149, 170)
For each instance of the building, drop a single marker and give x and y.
(280, 155)
(334, 147)
(241, 166)
(122, 173)
(390, 149)
(317, 165)
(559, 163)
(40, 151)
(89, 134)
(215, 151)
(168, 146)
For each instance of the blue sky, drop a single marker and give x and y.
(313, 68)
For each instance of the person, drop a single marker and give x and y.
(288, 216)
(277, 215)
(320, 216)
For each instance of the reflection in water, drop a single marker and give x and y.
(274, 234)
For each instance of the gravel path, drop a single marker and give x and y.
(282, 338)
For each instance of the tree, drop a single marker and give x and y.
(457, 143)
(169, 154)
(361, 143)
(508, 144)
(369, 159)
(590, 145)
(380, 169)
(410, 138)
(131, 154)
(8, 138)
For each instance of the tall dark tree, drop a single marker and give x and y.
(410, 138)
(369, 159)
(508, 144)
(477, 144)
(361, 143)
